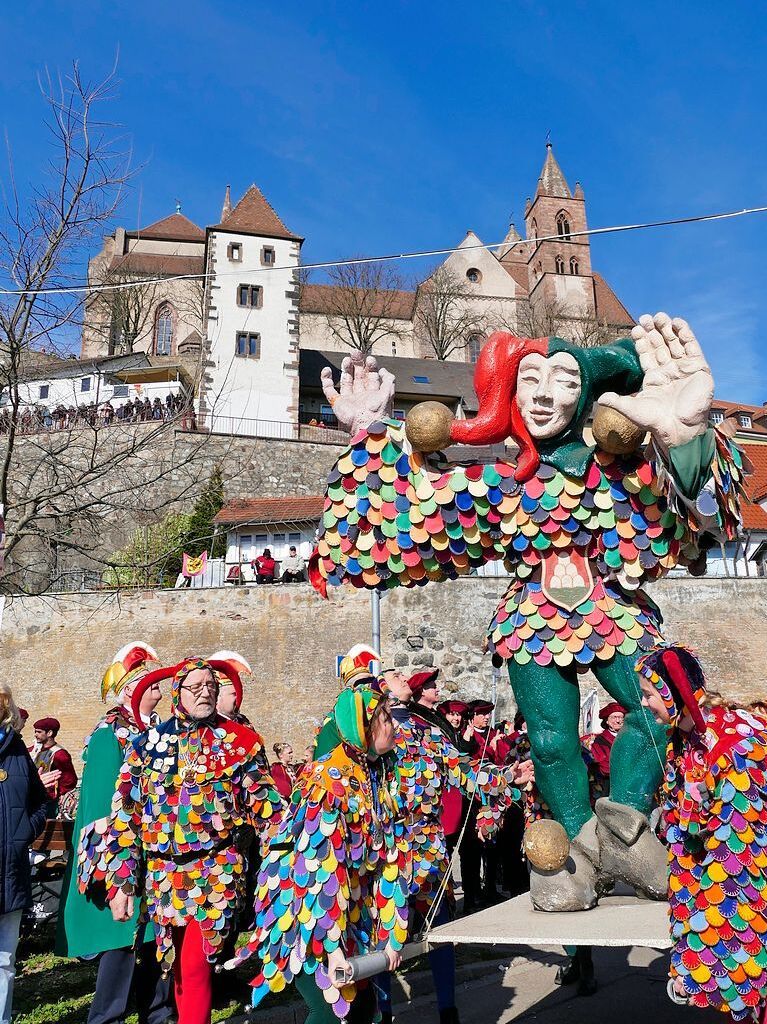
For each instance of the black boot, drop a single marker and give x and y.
(587, 983)
(449, 1016)
(569, 972)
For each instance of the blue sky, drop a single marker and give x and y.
(380, 127)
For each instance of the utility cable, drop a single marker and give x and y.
(420, 254)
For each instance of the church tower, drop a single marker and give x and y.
(559, 271)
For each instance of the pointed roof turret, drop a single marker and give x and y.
(226, 209)
(253, 215)
(511, 239)
(552, 181)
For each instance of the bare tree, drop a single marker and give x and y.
(548, 317)
(445, 319)
(66, 490)
(364, 305)
(121, 308)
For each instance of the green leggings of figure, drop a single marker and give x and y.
(549, 699)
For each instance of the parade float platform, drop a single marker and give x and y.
(617, 921)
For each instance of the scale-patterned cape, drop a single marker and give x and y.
(323, 884)
(393, 519)
(715, 823)
(427, 764)
(181, 796)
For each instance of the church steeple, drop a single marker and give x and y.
(552, 181)
(226, 209)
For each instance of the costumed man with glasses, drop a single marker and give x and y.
(185, 790)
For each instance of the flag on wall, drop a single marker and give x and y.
(194, 565)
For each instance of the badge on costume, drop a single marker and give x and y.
(566, 579)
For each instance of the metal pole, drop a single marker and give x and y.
(496, 675)
(375, 609)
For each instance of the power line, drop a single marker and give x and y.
(420, 254)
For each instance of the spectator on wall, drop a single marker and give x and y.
(265, 566)
(293, 567)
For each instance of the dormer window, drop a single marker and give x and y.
(715, 417)
(744, 420)
(267, 256)
(234, 252)
(559, 265)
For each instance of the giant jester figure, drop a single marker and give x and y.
(580, 529)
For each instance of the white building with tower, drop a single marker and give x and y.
(250, 352)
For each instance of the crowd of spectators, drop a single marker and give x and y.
(34, 419)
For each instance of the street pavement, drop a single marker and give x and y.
(632, 990)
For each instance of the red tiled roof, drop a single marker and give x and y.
(157, 263)
(176, 228)
(262, 511)
(253, 215)
(608, 306)
(731, 409)
(519, 272)
(330, 299)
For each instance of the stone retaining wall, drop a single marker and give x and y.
(55, 648)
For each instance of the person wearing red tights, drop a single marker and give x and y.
(186, 789)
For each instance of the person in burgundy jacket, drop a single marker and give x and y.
(455, 712)
(53, 763)
(283, 772)
(599, 747)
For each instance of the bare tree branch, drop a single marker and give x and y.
(445, 319)
(364, 305)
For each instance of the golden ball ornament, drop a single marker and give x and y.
(427, 426)
(546, 845)
(614, 432)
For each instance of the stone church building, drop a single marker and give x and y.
(254, 335)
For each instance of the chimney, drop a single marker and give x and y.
(226, 209)
(119, 248)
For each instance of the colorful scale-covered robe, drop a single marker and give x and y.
(333, 875)
(428, 763)
(715, 824)
(578, 546)
(184, 790)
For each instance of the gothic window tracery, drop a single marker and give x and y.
(559, 265)
(163, 331)
(563, 225)
(573, 265)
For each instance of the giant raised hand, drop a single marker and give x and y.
(678, 388)
(365, 392)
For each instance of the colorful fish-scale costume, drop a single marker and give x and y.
(715, 824)
(579, 530)
(577, 547)
(185, 788)
(334, 873)
(428, 763)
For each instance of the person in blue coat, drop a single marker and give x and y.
(22, 818)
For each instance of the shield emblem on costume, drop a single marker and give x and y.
(566, 579)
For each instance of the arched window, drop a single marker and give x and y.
(573, 265)
(163, 331)
(534, 229)
(563, 225)
(474, 347)
(559, 264)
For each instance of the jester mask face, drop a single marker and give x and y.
(548, 392)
